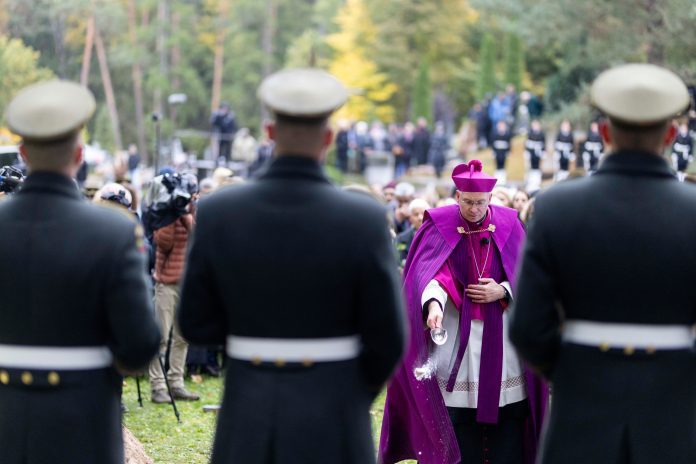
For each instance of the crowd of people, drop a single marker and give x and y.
(293, 283)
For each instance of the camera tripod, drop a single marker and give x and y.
(164, 365)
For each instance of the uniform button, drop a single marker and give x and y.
(256, 361)
(604, 347)
(53, 378)
(650, 349)
(307, 363)
(4, 377)
(280, 362)
(629, 350)
(27, 378)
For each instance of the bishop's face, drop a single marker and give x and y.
(473, 205)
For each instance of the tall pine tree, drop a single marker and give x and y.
(513, 61)
(422, 93)
(486, 82)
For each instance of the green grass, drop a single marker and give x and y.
(168, 442)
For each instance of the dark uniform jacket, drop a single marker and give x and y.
(683, 151)
(592, 151)
(71, 275)
(534, 147)
(624, 253)
(565, 150)
(501, 146)
(291, 256)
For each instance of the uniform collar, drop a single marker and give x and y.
(292, 166)
(635, 162)
(50, 182)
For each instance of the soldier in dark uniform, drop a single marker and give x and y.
(592, 149)
(564, 150)
(312, 330)
(501, 148)
(682, 151)
(76, 301)
(607, 315)
(534, 148)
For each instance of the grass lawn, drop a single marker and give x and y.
(168, 442)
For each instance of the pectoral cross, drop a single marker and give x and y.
(462, 230)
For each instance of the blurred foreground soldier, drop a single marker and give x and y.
(464, 398)
(682, 151)
(534, 149)
(75, 295)
(313, 330)
(607, 315)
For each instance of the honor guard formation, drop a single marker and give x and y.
(556, 328)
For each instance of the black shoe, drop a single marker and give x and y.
(212, 371)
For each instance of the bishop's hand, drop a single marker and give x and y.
(487, 291)
(435, 315)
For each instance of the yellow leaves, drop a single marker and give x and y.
(371, 90)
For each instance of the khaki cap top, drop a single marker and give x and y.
(49, 110)
(302, 92)
(640, 94)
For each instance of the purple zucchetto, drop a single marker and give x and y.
(469, 177)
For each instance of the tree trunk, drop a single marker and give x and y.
(175, 62)
(58, 29)
(87, 53)
(267, 39)
(219, 53)
(162, 52)
(655, 26)
(108, 89)
(137, 74)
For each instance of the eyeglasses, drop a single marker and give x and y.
(471, 204)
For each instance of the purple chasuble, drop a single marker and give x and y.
(416, 424)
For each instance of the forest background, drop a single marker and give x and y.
(401, 58)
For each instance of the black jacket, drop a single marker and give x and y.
(291, 256)
(616, 247)
(72, 274)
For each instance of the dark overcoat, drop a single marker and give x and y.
(291, 256)
(617, 247)
(72, 274)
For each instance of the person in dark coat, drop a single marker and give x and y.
(438, 148)
(313, 331)
(342, 146)
(501, 137)
(76, 301)
(534, 149)
(224, 125)
(592, 149)
(403, 150)
(421, 142)
(416, 210)
(607, 314)
(564, 150)
(682, 151)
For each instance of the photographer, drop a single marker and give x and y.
(171, 220)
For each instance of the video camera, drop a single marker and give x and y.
(179, 192)
(11, 179)
(167, 199)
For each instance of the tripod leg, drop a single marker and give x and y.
(140, 396)
(169, 390)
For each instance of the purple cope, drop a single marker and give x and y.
(416, 424)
